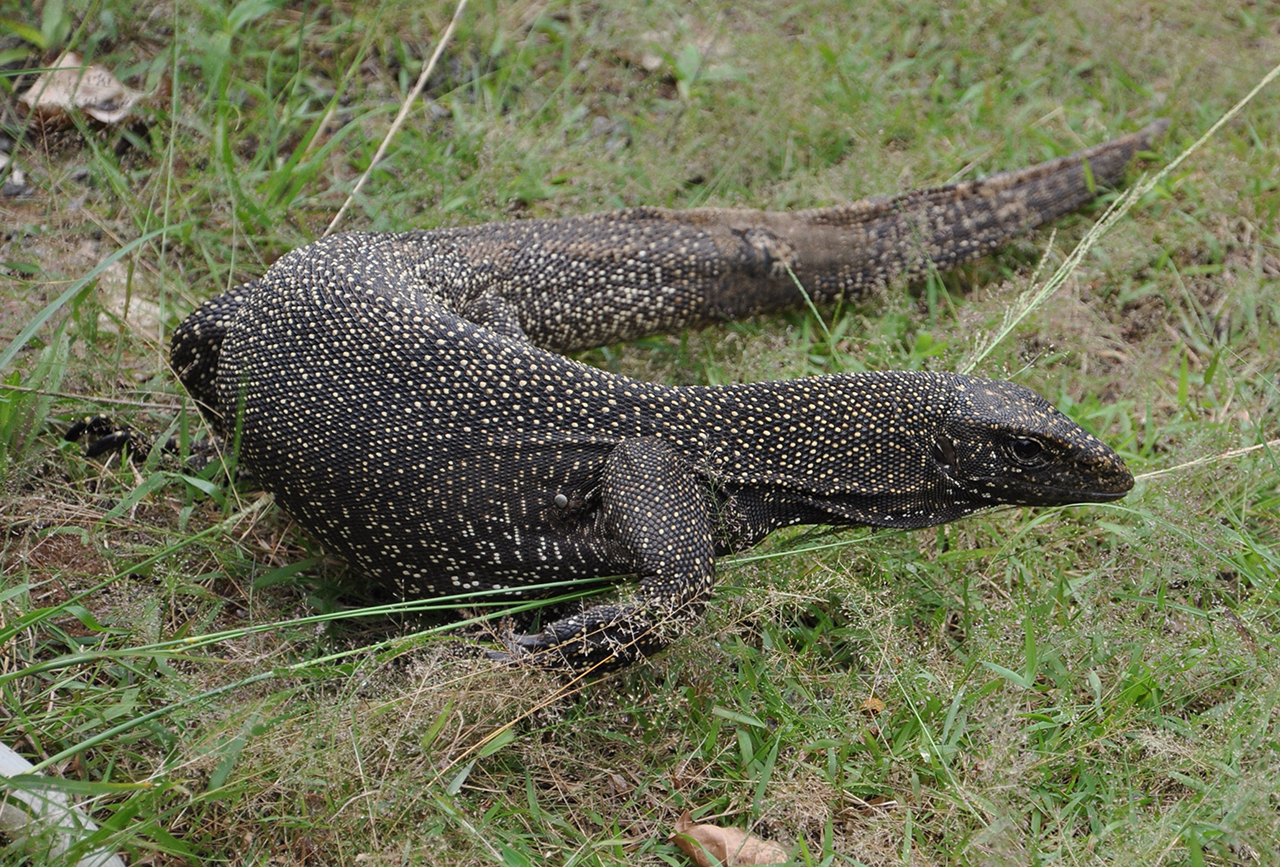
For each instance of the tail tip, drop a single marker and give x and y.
(1153, 131)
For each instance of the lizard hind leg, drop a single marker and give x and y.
(497, 314)
(654, 510)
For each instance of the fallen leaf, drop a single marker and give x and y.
(72, 86)
(712, 846)
(650, 51)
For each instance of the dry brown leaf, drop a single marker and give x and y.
(712, 846)
(872, 706)
(71, 86)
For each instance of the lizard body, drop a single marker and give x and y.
(403, 397)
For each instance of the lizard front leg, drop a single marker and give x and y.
(653, 509)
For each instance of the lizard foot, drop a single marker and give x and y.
(106, 436)
(597, 651)
(539, 649)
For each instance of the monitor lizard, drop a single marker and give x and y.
(404, 397)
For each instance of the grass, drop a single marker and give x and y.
(1066, 686)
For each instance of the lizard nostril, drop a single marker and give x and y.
(944, 450)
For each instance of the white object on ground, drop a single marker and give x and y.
(28, 811)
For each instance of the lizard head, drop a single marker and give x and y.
(1003, 443)
(911, 449)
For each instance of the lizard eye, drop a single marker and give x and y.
(1027, 451)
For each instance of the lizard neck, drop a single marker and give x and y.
(851, 449)
(902, 449)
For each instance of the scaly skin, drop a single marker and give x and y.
(402, 397)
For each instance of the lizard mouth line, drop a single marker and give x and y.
(1096, 496)
(1053, 496)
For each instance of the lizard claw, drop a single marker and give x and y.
(533, 643)
(526, 648)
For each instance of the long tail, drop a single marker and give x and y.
(588, 281)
